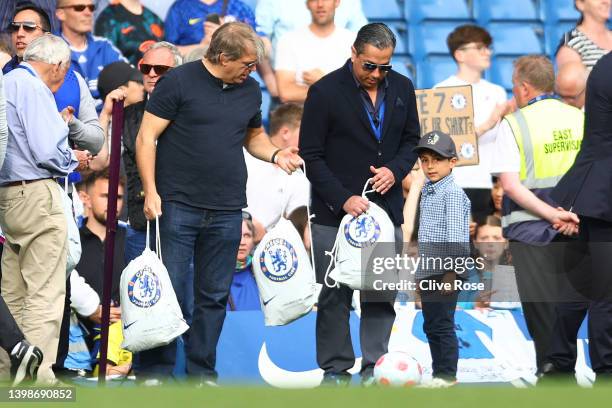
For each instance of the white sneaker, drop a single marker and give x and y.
(207, 384)
(439, 383)
(152, 382)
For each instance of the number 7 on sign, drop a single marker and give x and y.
(442, 97)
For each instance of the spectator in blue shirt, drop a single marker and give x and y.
(443, 233)
(187, 27)
(90, 54)
(186, 22)
(244, 294)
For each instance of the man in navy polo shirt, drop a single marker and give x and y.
(190, 158)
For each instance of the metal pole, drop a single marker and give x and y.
(111, 229)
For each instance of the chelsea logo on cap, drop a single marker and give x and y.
(278, 260)
(362, 231)
(433, 139)
(144, 289)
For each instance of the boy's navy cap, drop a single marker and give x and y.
(438, 142)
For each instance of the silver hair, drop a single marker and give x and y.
(178, 58)
(234, 40)
(48, 48)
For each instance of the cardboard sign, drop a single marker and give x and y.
(450, 110)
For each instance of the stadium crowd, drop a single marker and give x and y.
(193, 128)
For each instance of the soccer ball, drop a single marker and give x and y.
(397, 369)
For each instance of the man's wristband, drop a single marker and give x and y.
(274, 155)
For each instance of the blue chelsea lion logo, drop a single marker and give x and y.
(278, 260)
(362, 231)
(144, 289)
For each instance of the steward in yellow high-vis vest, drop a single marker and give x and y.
(534, 148)
(548, 134)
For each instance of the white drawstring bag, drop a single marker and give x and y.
(285, 278)
(371, 233)
(73, 255)
(150, 312)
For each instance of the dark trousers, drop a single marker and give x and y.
(211, 239)
(589, 289)
(335, 354)
(10, 334)
(64, 336)
(538, 271)
(439, 327)
(135, 242)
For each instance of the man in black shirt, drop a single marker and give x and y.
(190, 159)
(93, 234)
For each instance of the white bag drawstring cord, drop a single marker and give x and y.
(333, 254)
(309, 221)
(157, 238)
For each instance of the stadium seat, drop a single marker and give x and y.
(554, 33)
(429, 38)
(553, 11)
(404, 66)
(486, 11)
(376, 10)
(500, 72)
(515, 39)
(434, 69)
(417, 11)
(401, 34)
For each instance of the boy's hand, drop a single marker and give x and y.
(449, 277)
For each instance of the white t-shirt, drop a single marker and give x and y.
(269, 190)
(486, 96)
(505, 151)
(276, 18)
(301, 50)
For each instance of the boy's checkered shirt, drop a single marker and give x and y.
(444, 224)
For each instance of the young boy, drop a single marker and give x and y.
(443, 234)
(471, 48)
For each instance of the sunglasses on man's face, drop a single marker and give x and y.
(370, 66)
(159, 69)
(28, 26)
(80, 7)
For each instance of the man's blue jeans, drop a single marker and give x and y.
(211, 238)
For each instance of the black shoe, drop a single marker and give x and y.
(368, 381)
(603, 380)
(548, 374)
(336, 380)
(25, 362)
